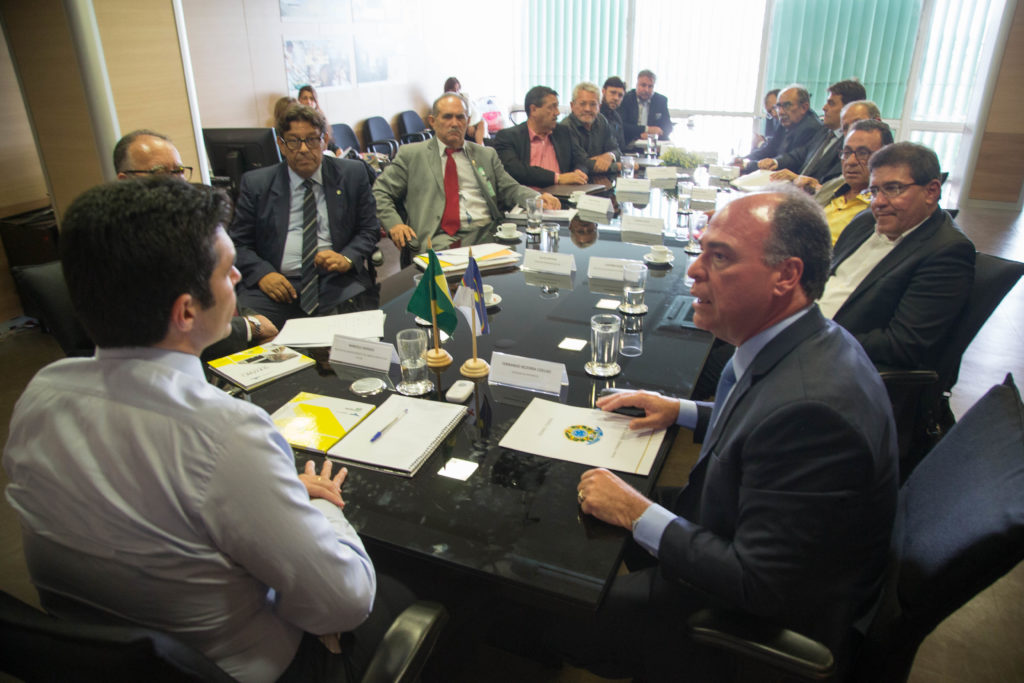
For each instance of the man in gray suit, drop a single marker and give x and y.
(412, 194)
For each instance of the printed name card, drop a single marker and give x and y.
(549, 262)
(647, 224)
(527, 373)
(662, 176)
(633, 185)
(604, 268)
(704, 194)
(591, 204)
(362, 353)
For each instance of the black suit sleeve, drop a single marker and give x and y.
(513, 148)
(245, 231)
(236, 341)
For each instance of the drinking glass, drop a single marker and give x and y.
(632, 335)
(604, 345)
(696, 223)
(549, 237)
(412, 353)
(534, 214)
(628, 165)
(652, 145)
(634, 284)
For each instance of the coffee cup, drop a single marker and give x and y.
(488, 294)
(659, 253)
(507, 230)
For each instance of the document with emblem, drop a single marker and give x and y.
(587, 436)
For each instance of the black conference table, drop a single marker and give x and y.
(514, 523)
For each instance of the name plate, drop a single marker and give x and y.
(592, 204)
(633, 185)
(724, 172)
(704, 194)
(527, 373)
(604, 268)
(647, 224)
(662, 176)
(362, 353)
(708, 157)
(549, 262)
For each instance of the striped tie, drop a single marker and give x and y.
(309, 286)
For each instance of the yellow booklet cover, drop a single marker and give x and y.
(315, 423)
(259, 365)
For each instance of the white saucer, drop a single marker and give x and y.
(495, 300)
(649, 258)
(517, 236)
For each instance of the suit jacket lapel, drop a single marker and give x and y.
(280, 200)
(333, 196)
(434, 155)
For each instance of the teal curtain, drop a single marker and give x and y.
(568, 41)
(818, 42)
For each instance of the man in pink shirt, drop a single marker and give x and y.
(537, 152)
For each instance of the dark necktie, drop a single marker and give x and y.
(725, 385)
(450, 219)
(309, 285)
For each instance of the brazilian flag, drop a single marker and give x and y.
(432, 292)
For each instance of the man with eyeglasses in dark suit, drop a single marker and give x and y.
(305, 228)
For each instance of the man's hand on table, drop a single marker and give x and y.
(661, 411)
(551, 202)
(767, 164)
(782, 176)
(605, 496)
(602, 162)
(277, 287)
(576, 177)
(322, 485)
(268, 330)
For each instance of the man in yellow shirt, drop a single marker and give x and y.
(863, 139)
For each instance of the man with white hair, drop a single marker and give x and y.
(592, 131)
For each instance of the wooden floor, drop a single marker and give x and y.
(981, 643)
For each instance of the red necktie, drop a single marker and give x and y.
(450, 220)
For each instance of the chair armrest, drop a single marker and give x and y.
(761, 641)
(414, 137)
(908, 377)
(406, 646)
(390, 143)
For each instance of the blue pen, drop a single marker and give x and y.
(389, 425)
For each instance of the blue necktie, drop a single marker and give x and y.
(725, 385)
(309, 285)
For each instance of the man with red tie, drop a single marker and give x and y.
(447, 189)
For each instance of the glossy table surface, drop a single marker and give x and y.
(515, 520)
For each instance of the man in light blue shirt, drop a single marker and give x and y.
(145, 492)
(788, 511)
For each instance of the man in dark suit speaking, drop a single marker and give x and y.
(304, 229)
(645, 112)
(789, 509)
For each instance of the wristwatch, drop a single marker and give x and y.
(254, 326)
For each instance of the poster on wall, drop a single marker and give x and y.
(316, 11)
(377, 62)
(320, 63)
(376, 10)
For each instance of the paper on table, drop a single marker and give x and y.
(320, 331)
(583, 435)
(753, 181)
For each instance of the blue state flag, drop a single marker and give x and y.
(470, 296)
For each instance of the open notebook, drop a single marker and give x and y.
(410, 430)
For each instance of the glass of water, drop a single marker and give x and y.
(632, 335)
(628, 165)
(534, 215)
(634, 286)
(412, 353)
(652, 145)
(604, 345)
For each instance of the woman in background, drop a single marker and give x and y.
(307, 96)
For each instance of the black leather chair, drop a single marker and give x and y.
(907, 389)
(412, 128)
(994, 277)
(45, 295)
(345, 137)
(37, 646)
(959, 527)
(379, 137)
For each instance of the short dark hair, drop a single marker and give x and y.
(774, 91)
(614, 82)
(799, 229)
(131, 248)
(300, 112)
(451, 83)
(848, 91)
(535, 96)
(922, 161)
(869, 125)
(122, 146)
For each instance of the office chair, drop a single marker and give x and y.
(345, 137)
(37, 646)
(517, 116)
(906, 389)
(412, 128)
(379, 137)
(959, 527)
(45, 295)
(994, 277)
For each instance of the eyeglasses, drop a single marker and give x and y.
(295, 144)
(180, 171)
(890, 190)
(785, 105)
(862, 154)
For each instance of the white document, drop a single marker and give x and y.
(364, 353)
(549, 262)
(648, 224)
(753, 181)
(587, 436)
(320, 331)
(527, 373)
(633, 185)
(724, 172)
(604, 268)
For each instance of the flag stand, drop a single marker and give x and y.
(474, 367)
(437, 358)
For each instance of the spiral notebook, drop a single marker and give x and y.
(410, 430)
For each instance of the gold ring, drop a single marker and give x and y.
(319, 478)
(580, 497)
